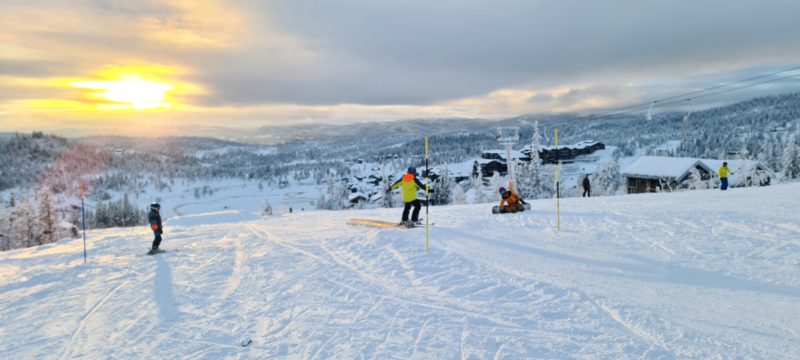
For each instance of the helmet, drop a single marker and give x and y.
(502, 190)
(155, 206)
(412, 170)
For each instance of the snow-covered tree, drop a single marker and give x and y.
(607, 179)
(530, 182)
(459, 197)
(791, 159)
(385, 186)
(496, 182)
(442, 188)
(477, 188)
(695, 180)
(266, 208)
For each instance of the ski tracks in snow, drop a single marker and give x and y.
(68, 347)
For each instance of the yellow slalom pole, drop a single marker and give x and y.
(427, 175)
(558, 195)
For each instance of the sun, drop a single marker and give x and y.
(129, 92)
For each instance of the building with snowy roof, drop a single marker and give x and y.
(661, 173)
(494, 160)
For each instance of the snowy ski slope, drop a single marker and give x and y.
(701, 274)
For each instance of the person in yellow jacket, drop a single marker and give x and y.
(410, 184)
(723, 175)
(510, 201)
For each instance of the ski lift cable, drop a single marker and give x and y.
(732, 89)
(659, 101)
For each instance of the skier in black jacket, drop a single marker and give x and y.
(155, 224)
(587, 187)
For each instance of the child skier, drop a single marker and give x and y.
(155, 224)
(410, 185)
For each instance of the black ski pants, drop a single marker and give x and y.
(415, 215)
(587, 192)
(157, 241)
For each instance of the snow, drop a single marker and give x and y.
(695, 274)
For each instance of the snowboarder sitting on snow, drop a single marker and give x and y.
(510, 201)
(723, 175)
(155, 224)
(410, 185)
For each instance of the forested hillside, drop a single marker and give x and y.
(41, 171)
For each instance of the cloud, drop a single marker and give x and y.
(295, 61)
(454, 49)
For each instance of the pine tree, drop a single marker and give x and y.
(27, 224)
(48, 220)
(5, 233)
(791, 159)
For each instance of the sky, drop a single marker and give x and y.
(175, 67)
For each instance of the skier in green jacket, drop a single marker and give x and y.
(410, 184)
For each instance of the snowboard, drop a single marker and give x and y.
(496, 208)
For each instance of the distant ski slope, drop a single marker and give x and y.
(697, 274)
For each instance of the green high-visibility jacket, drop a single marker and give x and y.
(410, 184)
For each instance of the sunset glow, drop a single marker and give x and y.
(130, 92)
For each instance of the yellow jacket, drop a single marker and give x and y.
(410, 184)
(724, 171)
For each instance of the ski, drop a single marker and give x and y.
(411, 225)
(151, 253)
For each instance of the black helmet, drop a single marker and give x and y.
(502, 190)
(412, 170)
(155, 206)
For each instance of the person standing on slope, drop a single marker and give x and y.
(723, 176)
(510, 201)
(409, 184)
(155, 224)
(587, 187)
